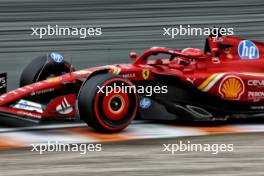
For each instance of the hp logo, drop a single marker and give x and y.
(248, 50)
(56, 57)
(23, 104)
(145, 103)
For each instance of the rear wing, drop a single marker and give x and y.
(3, 83)
(227, 47)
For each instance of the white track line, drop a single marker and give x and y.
(53, 126)
(43, 127)
(75, 133)
(161, 131)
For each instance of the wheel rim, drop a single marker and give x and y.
(115, 119)
(115, 105)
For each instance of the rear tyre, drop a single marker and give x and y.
(107, 112)
(42, 68)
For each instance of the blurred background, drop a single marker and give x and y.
(130, 25)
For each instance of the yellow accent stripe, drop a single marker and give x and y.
(252, 74)
(207, 81)
(213, 76)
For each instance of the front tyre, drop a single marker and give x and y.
(104, 105)
(44, 67)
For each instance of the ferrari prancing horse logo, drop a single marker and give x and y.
(145, 74)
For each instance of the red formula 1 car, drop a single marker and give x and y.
(225, 80)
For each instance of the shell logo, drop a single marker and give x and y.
(231, 87)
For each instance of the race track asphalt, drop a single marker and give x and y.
(144, 157)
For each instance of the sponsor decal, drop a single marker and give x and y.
(42, 91)
(82, 72)
(248, 50)
(23, 104)
(210, 82)
(145, 74)
(64, 107)
(114, 69)
(255, 96)
(257, 107)
(129, 75)
(231, 87)
(145, 103)
(190, 80)
(218, 39)
(29, 106)
(3, 81)
(24, 89)
(29, 114)
(38, 84)
(56, 57)
(54, 79)
(257, 83)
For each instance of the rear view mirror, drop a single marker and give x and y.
(133, 55)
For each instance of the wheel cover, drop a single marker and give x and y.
(115, 105)
(115, 119)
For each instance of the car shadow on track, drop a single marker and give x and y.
(251, 121)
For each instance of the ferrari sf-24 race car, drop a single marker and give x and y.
(226, 80)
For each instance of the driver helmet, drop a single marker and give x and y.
(192, 52)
